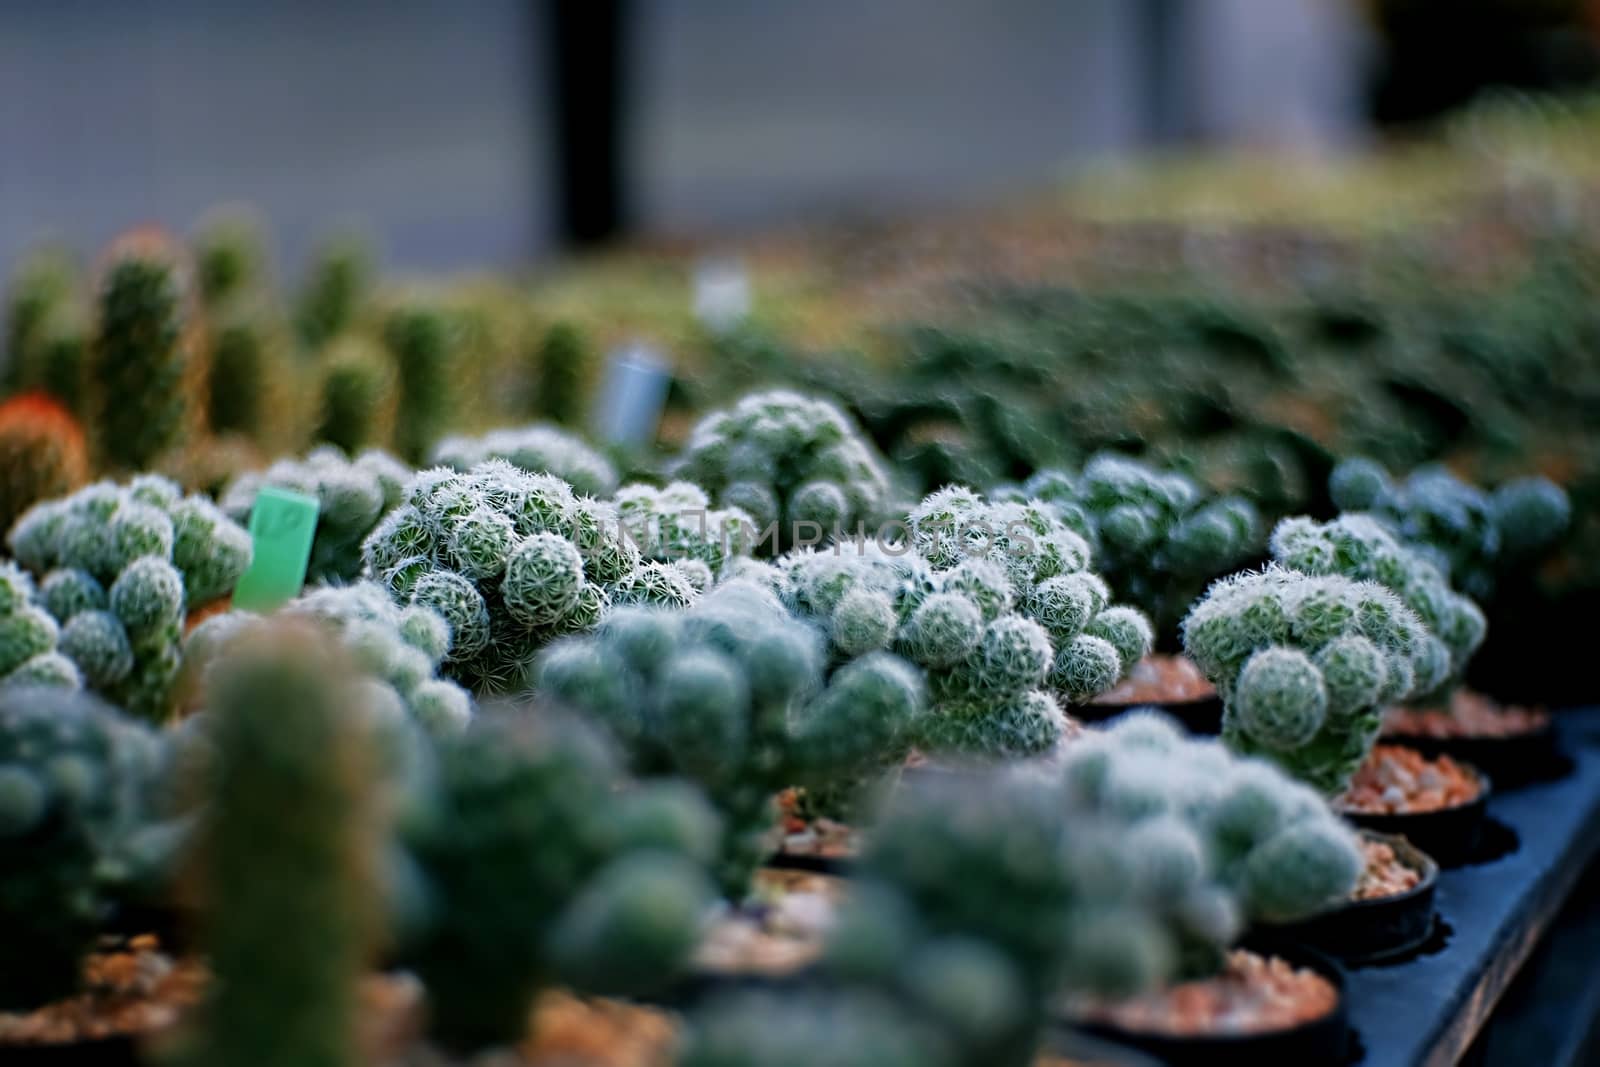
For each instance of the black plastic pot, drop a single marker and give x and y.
(104, 1052)
(1323, 1042)
(1513, 761)
(1363, 932)
(1452, 836)
(1202, 717)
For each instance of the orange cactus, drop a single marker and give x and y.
(42, 454)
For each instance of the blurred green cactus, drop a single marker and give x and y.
(422, 341)
(563, 367)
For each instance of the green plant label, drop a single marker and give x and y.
(282, 524)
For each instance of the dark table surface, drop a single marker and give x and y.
(1426, 1011)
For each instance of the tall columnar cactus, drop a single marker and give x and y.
(564, 365)
(421, 340)
(290, 854)
(1357, 546)
(538, 449)
(679, 524)
(247, 373)
(42, 454)
(1157, 536)
(731, 693)
(396, 651)
(358, 395)
(41, 288)
(512, 560)
(335, 288)
(352, 495)
(143, 360)
(1472, 535)
(791, 460)
(230, 257)
(1305, 664)
(539, 870)
(74, 777)
(118, 569)
(28, 637)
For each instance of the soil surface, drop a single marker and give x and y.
(1397, 780)
(781, 930)
(816, 836)
(1469, 714)
(1253, 994)
(130, 988)
(1386, 874)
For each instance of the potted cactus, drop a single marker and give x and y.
(797, 466)
(352, 495)
(612, 901)
(118, 569)
(733, 693)
(512, 560)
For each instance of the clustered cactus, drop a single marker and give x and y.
(290, 853)
(74, 780)
(142, 355)
(511, 560)
(1156, 535)
(352, 495)
(678, 524)
(42, 454)
(28, 637)
(732, 693)
(789, 460)
(118, 568)
(1470, 534)
(1358, 547)
(1305, 663)
(538, 870)
(539, 449)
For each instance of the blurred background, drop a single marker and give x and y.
(463, 136)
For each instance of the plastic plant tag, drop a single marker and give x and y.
(282, 524)
(632, 397)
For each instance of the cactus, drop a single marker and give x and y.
(678, 524)
(229, 257)
(1304, 664)
(247, 370)
(358, 394)
(119, 568)
(613, 906)
(1156, 536)
(763, 1028)
(512, 560)
(1473, 536)
(290, 853)
(29, 635)
(786, 459)
(42, 454)
(142, 362)
(74, 779)
(421, 339)
(334, 290)
(538, 449)
(731, 693)
(563, 366)
(41, 288)
(1358, 547)
(352, 495)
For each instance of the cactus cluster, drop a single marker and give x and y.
(397, 652)
(789, 460)
(679, 524)
(511, 560)
(118, 568)
(290, 851)
(1470, 534)
(1157, 535)
(28, 637)
(1358, 547)
(733, 694)
(538, 870)
(74, 784)
(42, 454)
(1305, 663)
(352, 495)
(539, 449)
(142, 358)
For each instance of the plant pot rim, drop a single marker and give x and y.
(1408, 854)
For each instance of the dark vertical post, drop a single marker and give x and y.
(1159, 25)
(587, 94)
